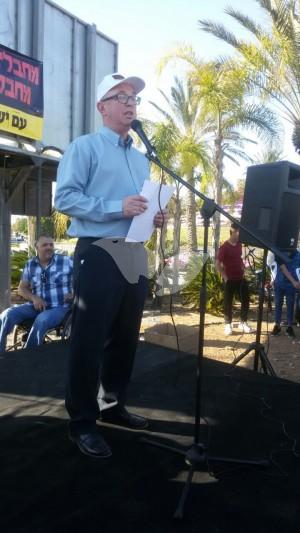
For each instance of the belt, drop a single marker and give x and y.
(89, 240)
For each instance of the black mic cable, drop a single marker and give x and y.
(136, 125)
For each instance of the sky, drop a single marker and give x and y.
(147, 29)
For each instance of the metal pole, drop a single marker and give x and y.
(5, 235)
(39, 201)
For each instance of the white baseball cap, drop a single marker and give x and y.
(112, 80)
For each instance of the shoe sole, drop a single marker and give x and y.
(119, 424)
(89, 454)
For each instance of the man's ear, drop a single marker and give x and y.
(101, 107)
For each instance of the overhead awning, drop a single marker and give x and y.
(28, 177)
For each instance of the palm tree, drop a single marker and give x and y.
(272, 59)
(187, 151)
(270, 154)
(222, 88)
(60, 224)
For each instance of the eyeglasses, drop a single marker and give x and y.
(124, 98)
(43, 277)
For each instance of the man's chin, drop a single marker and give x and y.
(129, 118)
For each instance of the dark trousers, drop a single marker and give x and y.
(105, 328)
(297, 308)
(240, 289)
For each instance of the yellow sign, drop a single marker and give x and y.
(21, 123)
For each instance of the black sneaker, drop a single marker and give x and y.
(290, 332)
(276, 330)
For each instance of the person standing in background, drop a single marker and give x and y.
(286, 284)
(230, 265)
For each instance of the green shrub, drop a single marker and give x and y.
(214, 288)
(18, 260)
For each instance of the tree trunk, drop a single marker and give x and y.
(176, 240)
(31, 235)
(177, 225)
(192, 244)
(218, 193)
(159, 258)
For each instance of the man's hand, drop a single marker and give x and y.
(134, 205)
(38, 303)
(220, 269)
(68, 297)
(296, 284)
(160, 218)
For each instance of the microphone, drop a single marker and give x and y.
(136, 125)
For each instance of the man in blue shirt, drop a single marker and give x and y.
(286, 284)
(99, 182)
(47, 285)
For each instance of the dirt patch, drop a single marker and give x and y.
(282, 351)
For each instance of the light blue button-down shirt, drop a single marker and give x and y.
(96, 172)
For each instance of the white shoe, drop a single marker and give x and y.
(243, 326)
(228, 329)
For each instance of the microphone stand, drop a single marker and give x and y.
(256, 346)
(197, 454)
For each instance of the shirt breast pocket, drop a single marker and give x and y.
(35, 282)
(60, 280)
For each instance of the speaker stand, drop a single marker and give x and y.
(260, 355)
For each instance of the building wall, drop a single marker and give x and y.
(75, 57)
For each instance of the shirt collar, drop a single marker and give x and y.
(36, 260)
(115, 138)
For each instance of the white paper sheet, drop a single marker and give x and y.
(142, 226)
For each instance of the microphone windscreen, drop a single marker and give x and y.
(136, 124)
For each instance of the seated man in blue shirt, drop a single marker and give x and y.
(47, 285)
(99, 181)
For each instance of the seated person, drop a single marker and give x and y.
(286, 284)
(47, 285)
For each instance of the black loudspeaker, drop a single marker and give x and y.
(271, 207)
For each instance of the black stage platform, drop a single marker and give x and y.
(48, 486)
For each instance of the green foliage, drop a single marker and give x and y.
(223, 106)
(214, 288)
(47, 226)
(272, 59)
(61, 223)
(20, 226)
(254, 267)
(18, 260)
